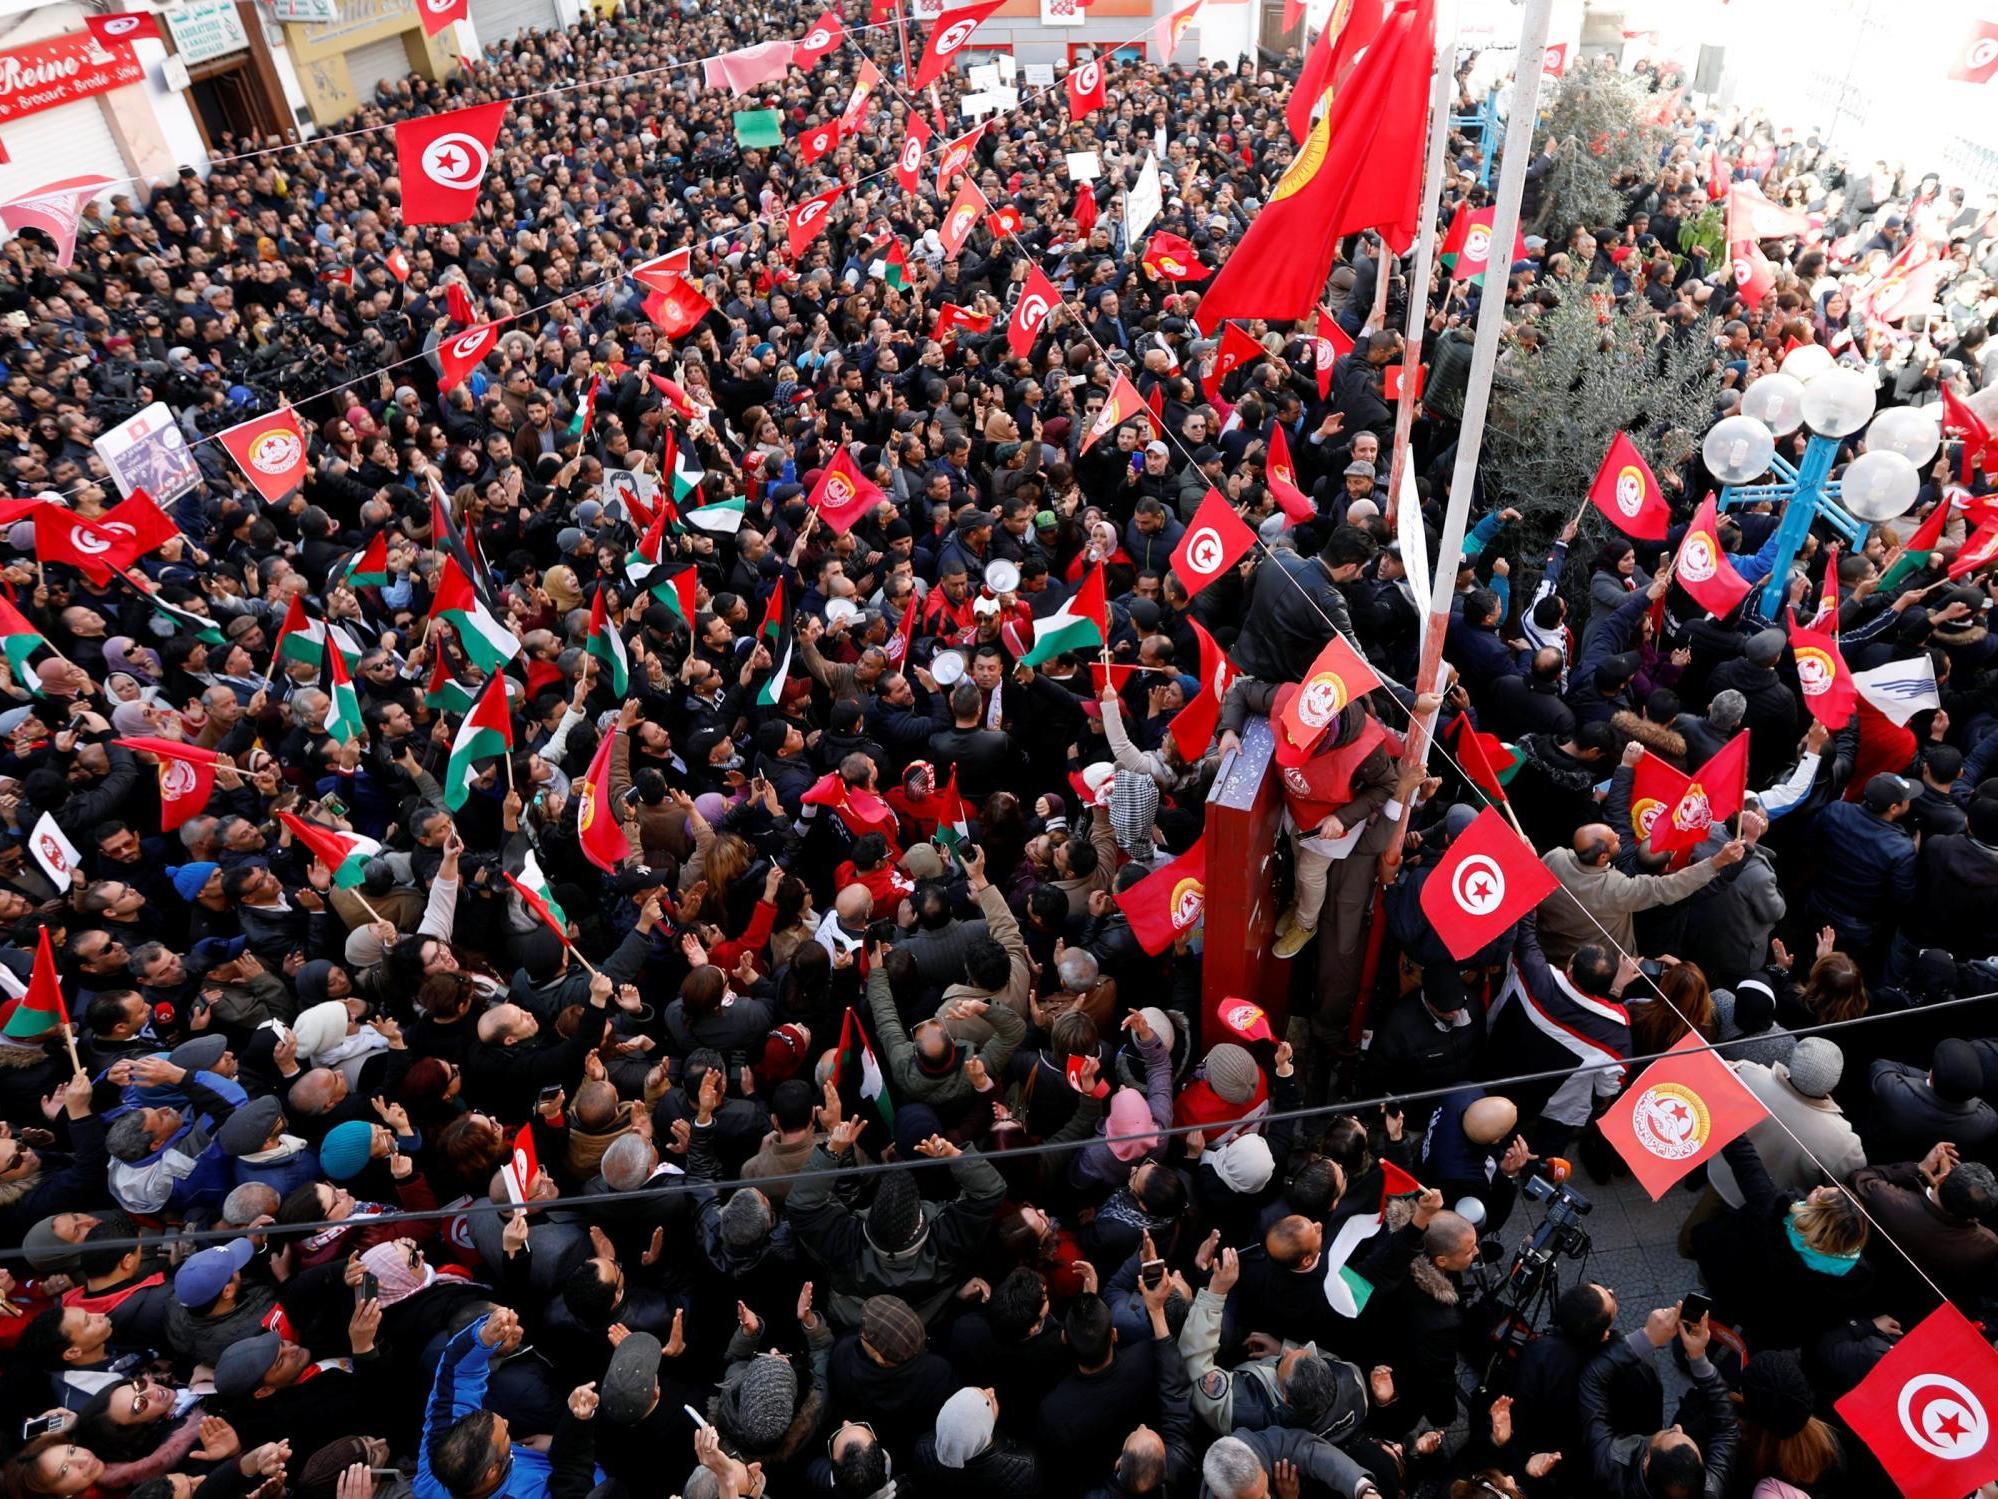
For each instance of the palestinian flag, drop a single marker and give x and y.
(892, 266)
(343, 719)
(486, 731)
(775, 632)
(1080, 626)
(184, 621)
(368, 568)
(1345, 1288)
(607, 645)
(1915, 554)
(687, 475)
(724, 517)
(1485, 760)
(346, 854)
(587, 412)
(539, 897)
(303, 638)
(41, 1009)
(953, 830)
(445, 538)
(597, 827)
(858, 1066)
(446, 693)
(672, 583)
(484, 639)
(20, 640)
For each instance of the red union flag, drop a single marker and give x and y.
(1680, 1113)
(825, 34)
(960, 218)
(1703, 569)
(442, 160)
(460, 355)
(1712, 795)
(437, 14)
(677, 309)
(817, 141)
(663, 272)
(948, 38)
(805, 222)
(1192, 728)
(1333, 680)
(1626, 492)
(1038, 300)
(1124, 403)
(1925, 1409)
(1282, 475)
(187, 776)
(1172, 257)
(1977, 54)
(1486, 882)
(843, 495)
(1829, 691)
(855, 112)
(1167, 31)
(909, 160)
(956, 157)
(1655, 789)
(1002, 222)
(270, 450)
(1169, 901)
(1086, 89)
(1215, 540)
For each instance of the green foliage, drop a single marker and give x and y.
(1601, 368)
(1598, 125)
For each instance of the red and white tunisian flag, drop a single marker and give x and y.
(1486, 882)
(55, 210)
(676, 309)
(461, 354)
(1215, 540)
(961, 218)
(1925, 1410)
(1087, 92)
(948, 38)
(1626, 491)
(1703, 569)
(442, 161)
(807, 221)
(1329, 344)
(909, 160)
(1281, 473)
(270, 450)
(1680, 1113)
(817, 141)
(844, 496)
(1192, 728)
(437, 14)
(1038, 300)
(826, 33)
(1169, 901)
(128, 27)
(664, 272)
(1977, 55)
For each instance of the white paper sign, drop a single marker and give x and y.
(1008, 71)
(1145, 202)
(54, 852)
(1039, 74)
(149, 452)
(1083, 166)
(983, 77)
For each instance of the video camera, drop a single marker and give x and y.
(1510, 1306)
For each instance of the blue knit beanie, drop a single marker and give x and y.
(345, 1150)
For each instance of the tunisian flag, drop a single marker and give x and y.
(844, 496)
(948, 38)
(909, 159)
(1167, 902)
(270, 450)
(826, 33)
(676, 310)
(1215, 540)
(126, 27)
(1925, 1409)
(1192, 728)
(437, 14)
(1486, 882)
(805, 222)
(1976, 58)
(1282, 475)
(1359, 168)
(1682, 1110)
(1329, 345)
(1703, 569)
(442, 160)
(1829, 691)
(457, 357)
(1086, 91)
(187, 776)
(1038, 300)
(1626, 491)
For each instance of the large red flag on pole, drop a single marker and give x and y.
(1359, 168)
(1925, 1409)
(1626, 491)
(1680, 1113)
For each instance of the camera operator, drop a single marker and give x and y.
(1547, 1380)
(1473, 1149)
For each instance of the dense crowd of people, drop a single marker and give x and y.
(830, 1147)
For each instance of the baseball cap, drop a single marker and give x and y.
(203, 1276)
(1885, 791)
